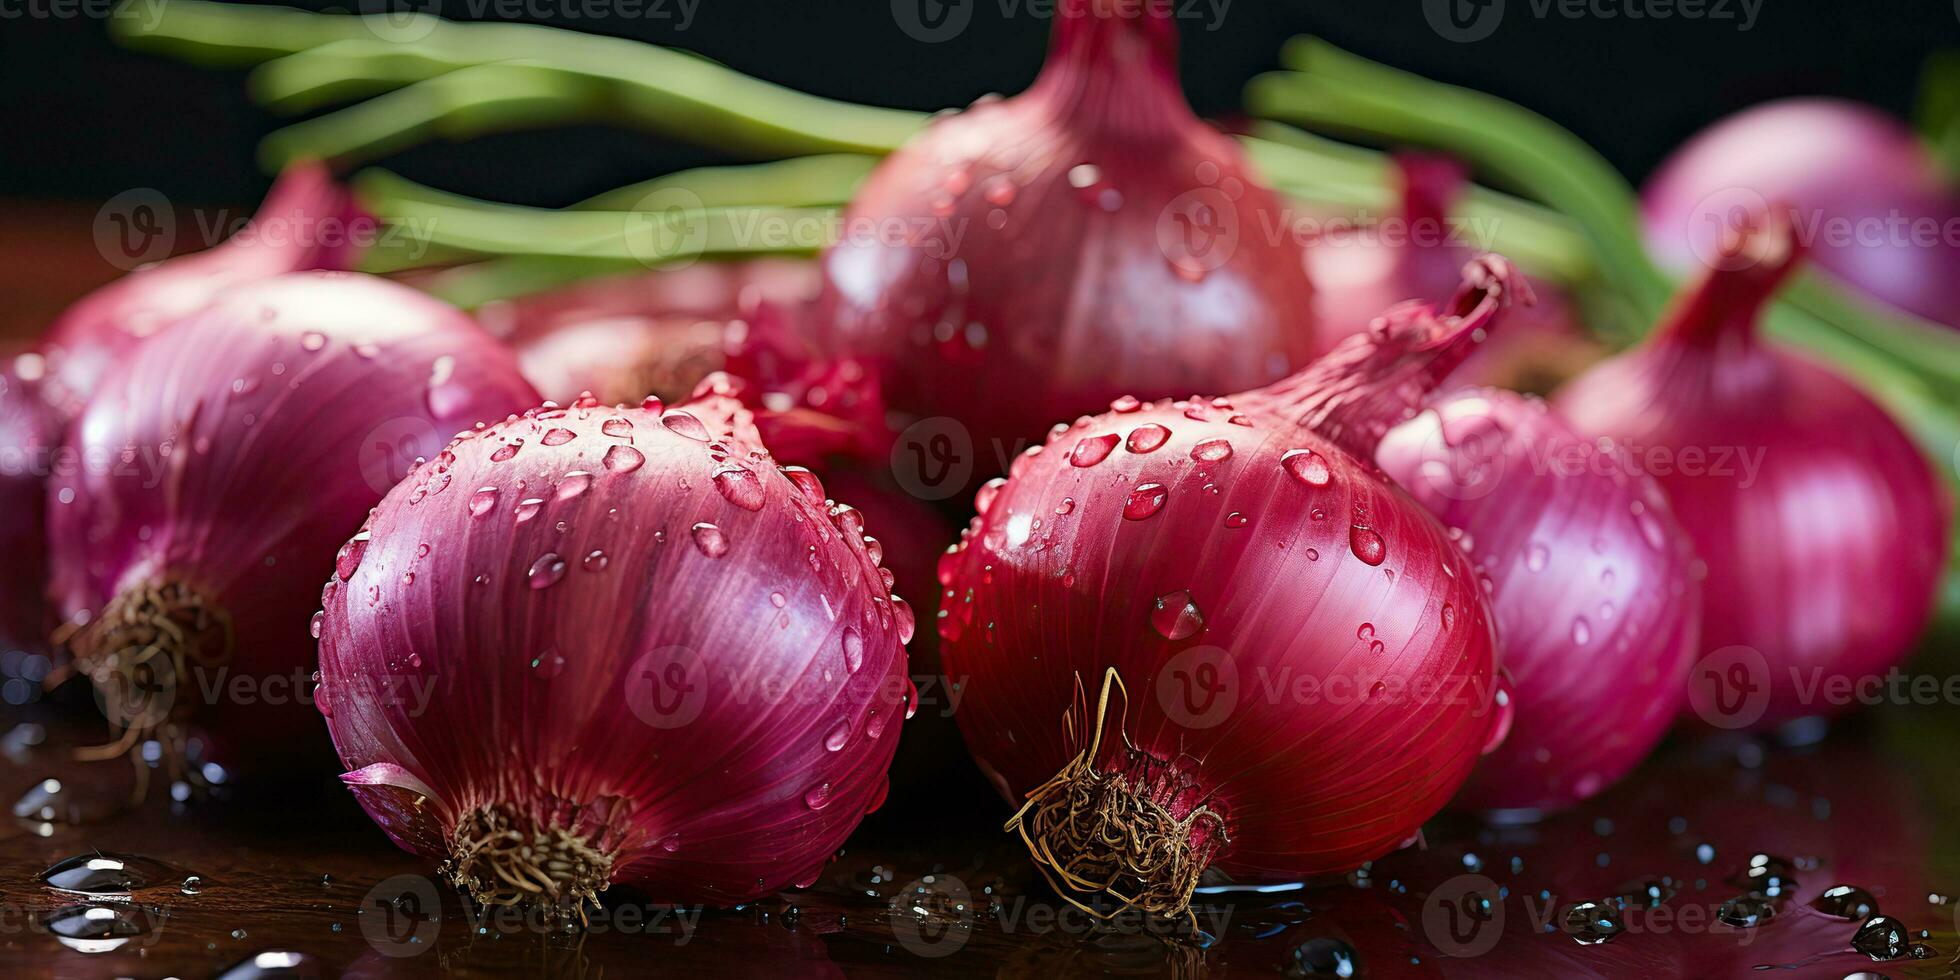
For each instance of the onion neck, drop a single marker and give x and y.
(1375, 380)
(1430, 186)
(1112, 66)
(1720, 311)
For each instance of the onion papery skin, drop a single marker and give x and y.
(605, 616)
(1597, 609)
(1360, 270)
(1190, 559)
(1038, 267)
(1837, 166)
(625, 337)
(1822, 528)
(235, 451)
(29, 434)
(306, 222)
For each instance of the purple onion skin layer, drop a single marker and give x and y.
(632, 625)
(1196, 548)
(28, 435)
(1835, 164)
(304, 223)
(247, 442)
(1051, 270)
(1822, 528)
(1597, 610)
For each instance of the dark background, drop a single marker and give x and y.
(83, 119)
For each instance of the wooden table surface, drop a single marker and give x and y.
(291, 875)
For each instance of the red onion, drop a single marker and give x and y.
(1823, 529)
(1034, 257)
(625, 337)
(1360, 271)
(222, 463)
(645, 653)
(306, 222)
(1865, 196)
(28, 437)
(1296, 663)
(1597, 612)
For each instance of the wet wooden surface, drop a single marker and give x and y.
(929, 884)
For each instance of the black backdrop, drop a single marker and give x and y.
(81, 118)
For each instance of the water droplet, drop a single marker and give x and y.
(98, 928)
(1175, 616)
(1092, 449)
(1308, 467)
(1212, 451)
(1367, 545)
(1145, 501)
(1125, 405)
(319, 620)
(106, 873)
(1581, 631)
(740, 487)
(574, 483)
(507, 451)
(546, 571)
(1325, 956)
(623, 459)
(709, 539)
(548, 664)
(818, 797)
(558, 437)
(596, 561)
(483, 501)
(1846, 902)
(617, 428)
(1592, 923)
(1067, 506)
(348, 561)
(1449, 616)
(191, 885)
(1084, 175)
(853, 650)
(1537, 557)
(1236, 520)
(806, 484)
(685, 425)
(527, 509)
(670, 843)
(839, 736)
(1882, 938)
(983, 498)
(1746, 911)
(1146, 438)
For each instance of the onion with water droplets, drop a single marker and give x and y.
(706, 713)
(1822, 527)
(1034, 257)
(1597, 609)
(223, 462)
(1273, 662)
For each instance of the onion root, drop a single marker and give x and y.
(501, 858)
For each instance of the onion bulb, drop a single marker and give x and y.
(306, 222)
(1597, 610)
(223, 462)
(1865, 196)
(1210, 634)
(1034, 257)
(645, 652)
(1822, 528)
